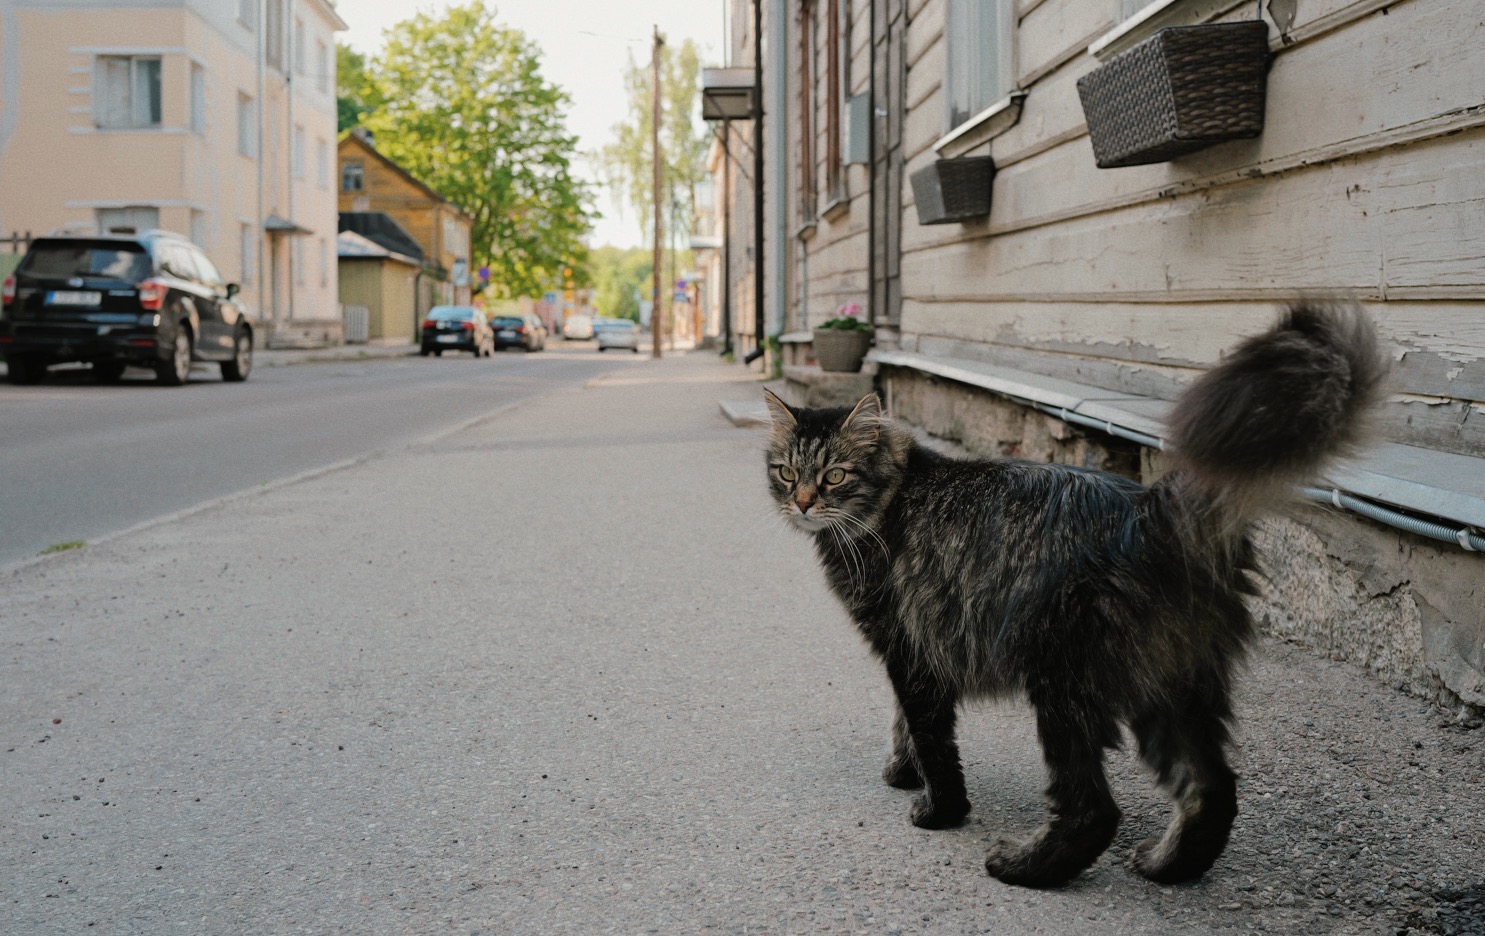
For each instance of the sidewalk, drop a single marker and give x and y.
(563, 671)
(279, 357)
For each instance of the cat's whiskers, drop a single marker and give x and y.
(867, 531)
(855, 564)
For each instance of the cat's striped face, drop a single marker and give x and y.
(822, 467)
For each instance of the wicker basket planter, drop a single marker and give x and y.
(953, 190)
(1183, 89)
(841, 350)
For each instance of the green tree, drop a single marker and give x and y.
(460, 102)
(355, 92)
(620, 279)
(627, 161)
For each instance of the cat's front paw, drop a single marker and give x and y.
(900, 772)
(933, 813)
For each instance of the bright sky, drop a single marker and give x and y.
(585, 45)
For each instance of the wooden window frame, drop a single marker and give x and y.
(807, 190)
(983, 32)
(837, 61)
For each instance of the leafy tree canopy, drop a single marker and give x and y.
(627, 161)
(355, 93)
(621, 278)
(459, 101)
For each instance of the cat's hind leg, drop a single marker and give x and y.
(929, 714)
(901, 770)
(1184, 744)
(1084, 816)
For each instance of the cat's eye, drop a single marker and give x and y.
(835, 476)
(787, 473)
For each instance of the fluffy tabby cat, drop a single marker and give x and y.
(1101, 601)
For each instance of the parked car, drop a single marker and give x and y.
(457, 328)
(519, 331)
(147, 298)
(578, 328)
(619, 333)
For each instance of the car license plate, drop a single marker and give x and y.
(448, 339)
(507, 334)
(90, 298)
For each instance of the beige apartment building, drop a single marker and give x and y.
(212, 118)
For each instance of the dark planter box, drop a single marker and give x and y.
(1183, 89)
(840, 350)
(953, 190)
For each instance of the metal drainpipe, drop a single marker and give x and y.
(778, 67)
(759, 327)
(288, 137)
(264, 289)
(871, 165)
(726, 237)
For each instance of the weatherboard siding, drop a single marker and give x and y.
(1369, 181)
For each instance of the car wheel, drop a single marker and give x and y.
(107, 372)
(438, 352)
(424, 352)
(25, 369)
(177, 369)
(237, 369)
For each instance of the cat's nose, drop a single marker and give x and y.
(804, 503)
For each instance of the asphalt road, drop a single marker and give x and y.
(79, 460)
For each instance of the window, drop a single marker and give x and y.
(198, 99)
(322, 164)
(273, 34)
(807, 110)
(299, 45)
(126, 91)
(138, 217)
(322, 66)
(177, 260)
(198, 228)
(837, 56)
(207, 269)
(296, 155)
(324, 263)
(979, 34)
(246, 256)
(247, 126)
(298, 260)
(272, 124)
(352, 177)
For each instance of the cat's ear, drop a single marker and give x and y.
(783, 416)
(866, 418)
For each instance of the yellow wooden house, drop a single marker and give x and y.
(370, 182)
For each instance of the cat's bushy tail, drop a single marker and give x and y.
(1277, 410)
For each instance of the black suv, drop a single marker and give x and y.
(150, 299)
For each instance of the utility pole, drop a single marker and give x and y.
(659, 169)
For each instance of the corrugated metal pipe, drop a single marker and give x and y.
(1463, 537)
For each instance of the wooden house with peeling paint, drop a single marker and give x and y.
(1060, 323)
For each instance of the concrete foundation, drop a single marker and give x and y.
(808, 385)
(987, 424)
(1407, 610)
(304, 333)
